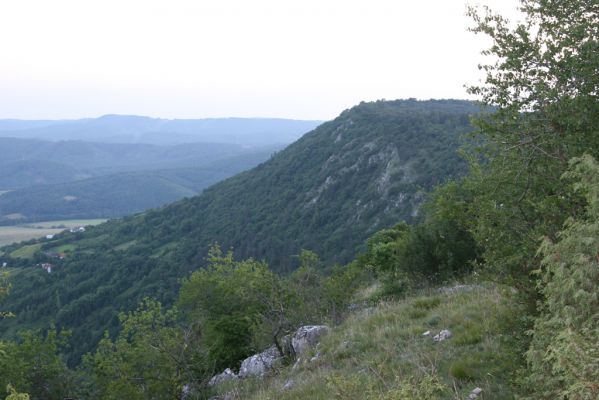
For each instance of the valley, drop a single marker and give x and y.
(127, 164)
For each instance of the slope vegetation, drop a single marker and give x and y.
(387, 351)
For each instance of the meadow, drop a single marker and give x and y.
(19, 233)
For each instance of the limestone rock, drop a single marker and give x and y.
(307, 337)
(290, 383)
(259, 364)
(474, 394)
(224, 376)
(443, 335)
(316, 357)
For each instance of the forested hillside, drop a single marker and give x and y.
(37, 161)
(328, 192)
(72, 179)
(116, 194)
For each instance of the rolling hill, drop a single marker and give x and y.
(61, 180)
(120, 194)
(329, 191)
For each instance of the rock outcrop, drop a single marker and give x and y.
(307, 337)
(259, 364)
(475, 393)
(226, 375)
(304, 338)
(443, 335)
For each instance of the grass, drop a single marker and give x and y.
(382, 353)
(65, 248)
(64, 224)
(16, 234)
(19, 233)
(125, 246)
(26, 251)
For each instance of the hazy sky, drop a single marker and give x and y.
(306, 59)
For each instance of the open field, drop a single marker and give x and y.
(63, 224)
(19, 233)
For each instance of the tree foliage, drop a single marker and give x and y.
(543, 86)
(34, 365)
(564, 356)
(437, 249)
(152, 357)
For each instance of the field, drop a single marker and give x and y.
(19, 233)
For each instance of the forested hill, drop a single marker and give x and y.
(329, 191)
(367, 169)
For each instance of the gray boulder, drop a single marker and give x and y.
(475, 393)
(307, 337)
(289, 384)
(259, 364)
(226, 375)
(443, 335)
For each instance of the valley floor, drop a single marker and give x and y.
(36, 230)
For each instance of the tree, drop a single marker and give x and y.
(564, 357)
(230, 302)
(152, 357)
(14, 395)
(4, 289)
(543, 89)
(34, 365)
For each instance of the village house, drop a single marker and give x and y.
(47, 267)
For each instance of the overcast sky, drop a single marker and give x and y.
(304, 59)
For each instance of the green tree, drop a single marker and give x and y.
(4, 289)
(543, 86)
(14, 395)
(152, 357)
(230, 302)
(564, 357)
(34, 365)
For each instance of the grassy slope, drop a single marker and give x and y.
(380, 353)
(19, 233)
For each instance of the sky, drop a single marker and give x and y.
(302, 59)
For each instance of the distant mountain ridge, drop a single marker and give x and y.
(137, 129)
(103, 158)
